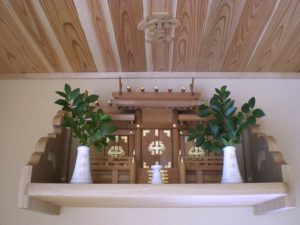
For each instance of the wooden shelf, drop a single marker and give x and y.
(41, 191)
(161, 196)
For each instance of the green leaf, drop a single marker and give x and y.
(204, 112)
(251, 120)
(203, 106)
(67, 89)
(92, 98)
(105, 130)
(98, 146)
(61, 102)
(246, 108)
(223, 88)
(218, 91)
(230, 111)
(229, 104)
(74, 93)
(80, 107)
(213, 128)
(62, 94)
(215, 108)
(69, 122)
(226, 94)
(251, 102)
(258, 113)
(67, 109)
(199, 141)
(218, 150)
(105, 118)
(78, 100)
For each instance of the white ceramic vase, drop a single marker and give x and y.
(156, 175)
(82, 170)
(231, 173)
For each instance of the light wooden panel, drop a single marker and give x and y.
(99, 38)
(222, 22)
(64, 20)
(161, 51)
(63, 36)
(126, 14)
(288, 59)
(277, 46)
(32, 23)
(17, 55)
(254, 18)
(189, 35)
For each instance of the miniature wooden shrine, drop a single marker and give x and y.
(153, 128)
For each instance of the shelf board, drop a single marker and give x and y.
(152, 196)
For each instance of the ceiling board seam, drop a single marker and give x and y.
(207, 16)
(171, 45)
(90, 34)
(27, 36)
(148, 46)
(111, 33)
(262, 33)
(52, 37)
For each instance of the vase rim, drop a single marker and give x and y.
(83, 147)
(229, 147)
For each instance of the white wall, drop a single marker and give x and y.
(26, 111)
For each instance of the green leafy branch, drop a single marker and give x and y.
(90, 126)
(225, 124)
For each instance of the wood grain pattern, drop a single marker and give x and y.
(57, 36)
(17, 54)
(278, 40)
(94, 25)
(189, 35)
(160, 51)
(131, 44)
(64, 20)
(253, 20)
(219, 30)
(30, 20)
(288, 59)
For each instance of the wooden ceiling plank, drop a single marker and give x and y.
(96, 30)
(111, 33)
(148, 46)
(64, 21)
(289, 58)
(219, 30)
(279, 43)
(126, 14)
(27, 36)
(171, 45)
(10, 60)
(33, 19)
(88, 26)
(62, 58)
(189, 35)
(253, 19)
(161, 50)
(17, 49)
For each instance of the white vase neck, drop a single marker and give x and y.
(229, 148)
(83, 148)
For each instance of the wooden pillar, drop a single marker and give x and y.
(182, 171)
(175, 139)
(132, 172)
(138, 138)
